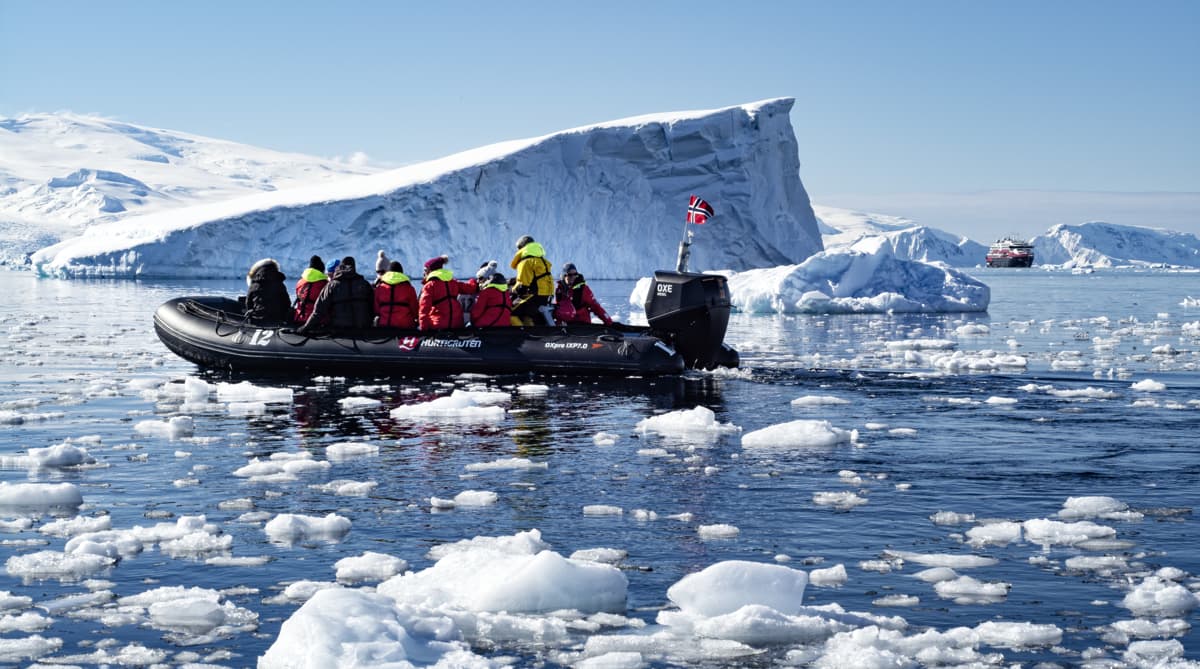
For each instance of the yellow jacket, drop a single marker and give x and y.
(533, 269)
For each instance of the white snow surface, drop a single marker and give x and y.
(61, 173)
(1099, 244)
(633, 176)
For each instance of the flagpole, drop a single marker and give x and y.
(685, 250)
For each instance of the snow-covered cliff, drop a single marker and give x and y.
(62, 172)
(858, 231)
(609, 197)
(1098, 244)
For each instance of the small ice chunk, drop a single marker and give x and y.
(717, 531)
(798, 434)
(347, 450)
(506, 463)
(829, 577)
(841, 500)
(602, 510)
(1156, 597)
(968, 590)
(897, 600)
(727, 586)
(1017, 635)
(1149, 386)
(358, 403)
(687, 424)
(818, 400)
(605, 439)
(172, 428)
(460, 406)
(369, 566)
(476, 498)
(289, 527)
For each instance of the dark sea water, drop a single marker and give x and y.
(81, 359)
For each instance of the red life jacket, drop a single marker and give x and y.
(308, 288)
(492, 308)
(439, 307)
(395, 301)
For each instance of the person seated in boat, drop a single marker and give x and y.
(312, 282)
(492, 308)
(574, 301)
(395, 299)
(438, 306)
(382, 263)
(535, 282)
(346, 301)
(467, 301)
(266, 297)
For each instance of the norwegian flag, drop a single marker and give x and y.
(698, 211)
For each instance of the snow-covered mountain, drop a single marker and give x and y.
(858, 231)
(1098, 244)
(62, 172)
(609, 197)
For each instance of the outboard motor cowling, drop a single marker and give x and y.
(693, 311)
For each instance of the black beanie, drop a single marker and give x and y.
(316, 263)
(348, 262)
(395, 266)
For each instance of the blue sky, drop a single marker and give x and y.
(895, 101)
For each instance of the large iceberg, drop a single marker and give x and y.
(1098, 244)
(62, 172)
(850, 282)
(848, 229)
(608, 197)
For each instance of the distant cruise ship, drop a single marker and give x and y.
(1010, 252)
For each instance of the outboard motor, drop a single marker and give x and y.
(693, 310)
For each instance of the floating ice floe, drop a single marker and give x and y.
(818, 400)
(58, 456)
(1149, 386)
(717, 531)
(506, 464)
(968, 590)
(369, 566)
(1155, 596)
(346, 488)
(1052, 532)
(358, 403)
(35, 497)
(290, 528)
(348, 450)
(1095, 506)
(54, 564)
(342, 627)
(172, 428)
(280, 467)
(798, 434)
(687, 425)
(460, 405)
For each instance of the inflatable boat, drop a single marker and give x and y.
(687, 315)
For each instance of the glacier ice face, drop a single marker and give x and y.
(610, 198)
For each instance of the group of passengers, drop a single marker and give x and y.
(337, 296)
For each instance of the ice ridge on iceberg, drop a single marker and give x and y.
(608, 197)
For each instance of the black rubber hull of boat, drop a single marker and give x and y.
(210, 332)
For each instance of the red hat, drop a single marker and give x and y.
(434, 264)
